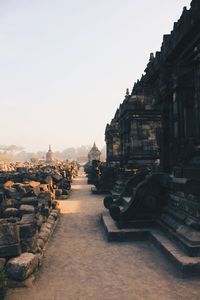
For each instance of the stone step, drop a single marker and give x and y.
(186, 266)
(114, 233)
(191, 249)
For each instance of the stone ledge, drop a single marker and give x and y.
(115, 234)
(186, 266)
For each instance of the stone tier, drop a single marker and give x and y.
(184, 265)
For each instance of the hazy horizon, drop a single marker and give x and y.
(65, 65)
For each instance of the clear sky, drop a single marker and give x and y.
(65, 65)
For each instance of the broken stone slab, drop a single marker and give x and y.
(9, 240)
(21, 267)
(26, 209)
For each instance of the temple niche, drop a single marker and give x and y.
(139, 122)
(94, 154)
(131, 135)
(160, 121)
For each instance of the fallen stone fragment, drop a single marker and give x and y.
(21, 267)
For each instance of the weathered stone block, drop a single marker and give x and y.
(40, 243)
(9, 203)
(2, 263)
(46, 195)
(9, 240)
(26, 209)
(29, 201)
(29, 244)
(8, 184)
(44, 235)
(27, 231)
(54, 215)
(11, 212)
(21, 267)
(28, 219)
(58, 192)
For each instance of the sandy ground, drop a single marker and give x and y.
(80, 264)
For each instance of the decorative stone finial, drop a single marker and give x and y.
(151, 56)
(127, 93)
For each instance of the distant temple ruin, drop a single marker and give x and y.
(50, 156)
(94, 153)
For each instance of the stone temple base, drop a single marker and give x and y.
(185, 265)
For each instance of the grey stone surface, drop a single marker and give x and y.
(26, 209)
(29, 201)
(11, 212)
(9, 240)
(22, 267)
(2, 263)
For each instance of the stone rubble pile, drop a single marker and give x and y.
(28, 214)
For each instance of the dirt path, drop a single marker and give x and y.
(80, 264)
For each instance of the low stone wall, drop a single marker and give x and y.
(18, 271)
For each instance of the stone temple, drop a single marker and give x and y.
(155, 134)
(94, 153)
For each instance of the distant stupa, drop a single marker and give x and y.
(94, 153)
(49, 156)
